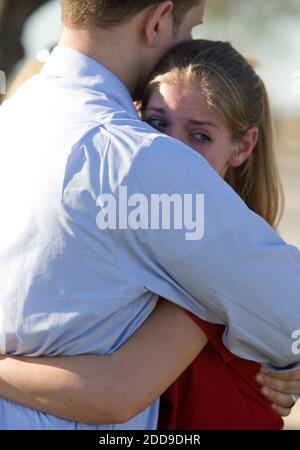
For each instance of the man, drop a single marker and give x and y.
(70, 141)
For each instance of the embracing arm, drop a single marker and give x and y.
(113, 388)
(233, 269)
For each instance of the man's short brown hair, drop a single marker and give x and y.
(107, 13)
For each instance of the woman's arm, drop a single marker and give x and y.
(114, 388)
(108, 389)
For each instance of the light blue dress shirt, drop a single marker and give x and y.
(69, 288)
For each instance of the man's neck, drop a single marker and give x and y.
(111, 53)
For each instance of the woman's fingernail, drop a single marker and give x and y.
(260, 378)
(265, 391)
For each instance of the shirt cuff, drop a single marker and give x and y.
(291, 368)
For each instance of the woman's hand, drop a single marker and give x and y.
(281, 389)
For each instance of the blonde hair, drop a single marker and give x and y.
(231, 85)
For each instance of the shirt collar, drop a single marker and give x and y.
(68, 63)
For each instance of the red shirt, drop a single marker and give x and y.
(217, 391)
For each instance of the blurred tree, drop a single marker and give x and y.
(13, 15)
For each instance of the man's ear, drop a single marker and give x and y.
(159, 22)
(244, 148)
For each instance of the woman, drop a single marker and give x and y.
(207, 95)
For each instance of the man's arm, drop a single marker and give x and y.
(108, 389)
(240, 274)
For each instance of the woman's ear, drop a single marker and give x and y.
(159, 23)
(244, 148)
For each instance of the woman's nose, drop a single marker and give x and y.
(178, 133)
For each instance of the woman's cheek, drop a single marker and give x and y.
(204, 152)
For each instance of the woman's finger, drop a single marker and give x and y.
(277, 398)
(293, 375)
(283, 412)
(286, 387)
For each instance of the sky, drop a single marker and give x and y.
(275, 46)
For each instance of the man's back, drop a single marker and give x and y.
(65, 290)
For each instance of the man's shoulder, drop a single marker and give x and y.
(147, 142)
(153, 162)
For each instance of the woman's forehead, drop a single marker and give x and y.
(189, 102)
(174, 95)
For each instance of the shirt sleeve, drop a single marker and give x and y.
(240, 273)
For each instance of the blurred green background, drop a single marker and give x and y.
(267, 31)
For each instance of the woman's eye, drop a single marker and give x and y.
(203, 138)
(156, 123)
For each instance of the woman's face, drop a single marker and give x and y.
(183, 113)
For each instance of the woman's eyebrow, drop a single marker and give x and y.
(201, 122)
(153, 108)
